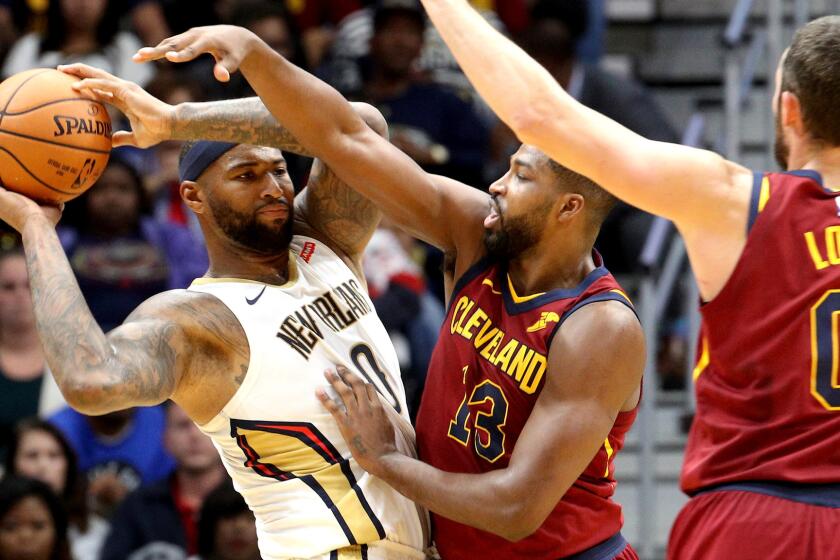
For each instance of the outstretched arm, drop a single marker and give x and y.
(328, 205)
(345, 216)
(445, 214)
(583, 394)
(683, 184)
(704, 194)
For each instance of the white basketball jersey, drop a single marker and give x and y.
(281, 447)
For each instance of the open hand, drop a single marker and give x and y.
(150, 118)
(228, 44)
(361, 417)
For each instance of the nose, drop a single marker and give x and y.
(278, 187)
(498, 188)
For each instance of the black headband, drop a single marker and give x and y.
(200, 157)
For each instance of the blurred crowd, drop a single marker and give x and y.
(145, 483)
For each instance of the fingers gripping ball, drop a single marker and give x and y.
(54, 143)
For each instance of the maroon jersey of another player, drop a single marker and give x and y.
(485, 376)
(768, 393)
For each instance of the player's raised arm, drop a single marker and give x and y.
(140, 363)
(584, 392)
(695, 188)
(344, 216)
(325, 123)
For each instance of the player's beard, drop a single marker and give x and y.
(248, 231)
(780, 147)
(514, 236)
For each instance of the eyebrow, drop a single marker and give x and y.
(254, 163)
(520, 162)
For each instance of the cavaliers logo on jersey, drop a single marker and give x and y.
(545, 320)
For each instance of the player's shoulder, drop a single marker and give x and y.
(769, 183)
(608, 311)
(176, 303)
(608, 321)
(193, 313)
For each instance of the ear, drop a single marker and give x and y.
(791, 113)
(192, 196)
(569, 206)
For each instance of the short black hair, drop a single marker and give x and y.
(811, 71)
(222, 503)
(548, 40)
(75, 212)
(249, 12)
(11, 246)
(599, 201)
(14, 489)
(573, 14)
(384, 10)
(56, 32)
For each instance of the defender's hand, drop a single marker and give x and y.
(150, 118)
(16, 210)
(361, 417)
(228, 44)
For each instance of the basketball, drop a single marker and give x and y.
(54, 143)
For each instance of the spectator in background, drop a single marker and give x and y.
(146, 16)
(148, 20)
(33, 524)
(26, 387)
(80, 31)
(117, 452)
(160, 521)
(317, 21)
(512, 13)
(509, 16)
(410, 313)
(41, 452)
(431, 124)
(172, 86)
(226, 528)
(121, 255)
(352, 42)
(551, 39)
(271, 22)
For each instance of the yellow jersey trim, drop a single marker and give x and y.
(517, 298)
(610, 452)
(488, 282)
(622, 294)
(703, 362)
(764, 194)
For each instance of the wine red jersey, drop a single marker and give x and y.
(485, 376)
(768, 393)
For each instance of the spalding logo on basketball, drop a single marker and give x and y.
(54, 143)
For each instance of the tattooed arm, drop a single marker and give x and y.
(343, 216)
(148, 359)
(245, 121)
(328, 205)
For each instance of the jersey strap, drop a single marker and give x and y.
(612, 295)
(472, 272)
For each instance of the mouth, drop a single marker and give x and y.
(494, 216)
(275, 210)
